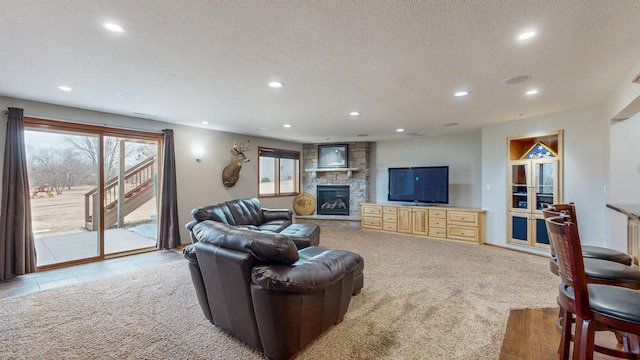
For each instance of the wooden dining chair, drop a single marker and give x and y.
(602, 265)
(588, 251)
(593, 305)
(598, 271)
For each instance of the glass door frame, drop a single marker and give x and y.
(100, 132)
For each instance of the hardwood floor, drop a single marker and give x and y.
(531, 334)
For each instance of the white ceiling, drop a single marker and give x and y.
(397, 62)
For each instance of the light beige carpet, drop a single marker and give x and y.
(422, 299)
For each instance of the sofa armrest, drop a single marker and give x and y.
(189, 253)
(276, 214)
(189, 226)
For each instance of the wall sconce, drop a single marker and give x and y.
(197, 153)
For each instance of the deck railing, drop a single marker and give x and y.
(136, 180)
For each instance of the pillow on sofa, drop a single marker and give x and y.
(265, 246)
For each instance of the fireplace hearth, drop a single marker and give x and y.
(332, 200)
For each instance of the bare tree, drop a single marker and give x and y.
(145, 151)
(56, 169)
(88, 146)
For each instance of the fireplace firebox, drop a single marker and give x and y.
(332, 200)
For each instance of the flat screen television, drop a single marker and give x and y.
(423, 184)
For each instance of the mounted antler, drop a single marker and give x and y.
(231, 172)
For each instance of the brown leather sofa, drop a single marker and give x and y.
(259, 287)
(248, 214)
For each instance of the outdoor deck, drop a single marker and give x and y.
(80, 244)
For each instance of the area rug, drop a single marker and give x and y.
(422, 299)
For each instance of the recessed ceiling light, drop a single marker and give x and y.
(354, 113)
(461, 93)
(516, 79)
(287, 125)
(276, 84)
(526, 35)
(451, 124)
(205, 123)
(532, 92)
(262, 128)
(64, 88)
(399, 130)
(113, 27)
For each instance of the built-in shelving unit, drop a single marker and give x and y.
(535, 179)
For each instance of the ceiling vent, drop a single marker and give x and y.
(516, 79)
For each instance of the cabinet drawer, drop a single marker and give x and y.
(437, 232)
(462, 233)
(372, 223)
(390, 226)
(392, 218)
(389, 210)
(437, 213)
(371, 210)
(437, 222)
(463, 218)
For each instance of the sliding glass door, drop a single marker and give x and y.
(130, 206)
(94, 191)
(59, 178)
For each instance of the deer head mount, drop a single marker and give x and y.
(231, 172)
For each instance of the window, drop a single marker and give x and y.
(278, 172)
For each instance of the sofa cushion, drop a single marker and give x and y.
(246, 212)
(275, 225)
(219, 212)
(264, 246)
(234, 212)
(320, 269)
(303, 235)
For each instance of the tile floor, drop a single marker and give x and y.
(78, 273)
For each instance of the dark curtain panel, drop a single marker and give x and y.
(168, 226)
(17, 248)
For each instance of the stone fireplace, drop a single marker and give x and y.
(332, 200)
(354, 178)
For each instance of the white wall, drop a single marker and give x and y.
(199, 183)
(585, 167)
(624, 101)
(625, 174)
(461, 152)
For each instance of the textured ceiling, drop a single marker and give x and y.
(397, 62)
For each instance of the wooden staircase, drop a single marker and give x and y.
(139, 182)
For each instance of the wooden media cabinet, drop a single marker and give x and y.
(435, 221)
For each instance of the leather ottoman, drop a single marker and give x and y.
(303, 235)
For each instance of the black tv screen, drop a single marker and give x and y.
(424, 184)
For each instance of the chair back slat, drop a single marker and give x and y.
(564, 238)
(568, 210)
